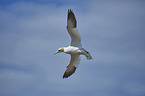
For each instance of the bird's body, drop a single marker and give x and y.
(71, 50)
(75, 49)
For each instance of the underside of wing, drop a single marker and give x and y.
(72, 29)
(75, 59)
(71, 20)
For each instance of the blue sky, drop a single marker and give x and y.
(112, 31)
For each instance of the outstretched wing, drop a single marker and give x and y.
(74, 62)
(72, 29)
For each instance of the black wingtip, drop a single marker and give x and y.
(69, 72)
(71, 16)
(69, 10)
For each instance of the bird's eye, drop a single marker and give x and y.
(59, 50)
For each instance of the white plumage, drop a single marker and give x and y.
(75, 49)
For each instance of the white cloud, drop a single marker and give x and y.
(32, 32)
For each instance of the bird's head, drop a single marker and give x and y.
(61, 49)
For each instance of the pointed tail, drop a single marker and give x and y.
(88, 56)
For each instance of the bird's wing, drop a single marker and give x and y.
(72, 29)
(74, 62)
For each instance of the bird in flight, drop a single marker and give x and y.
(75, 49)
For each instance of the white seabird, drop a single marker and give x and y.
(75, 49)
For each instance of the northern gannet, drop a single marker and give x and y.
(75, 49)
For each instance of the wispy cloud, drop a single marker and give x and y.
(113, 32)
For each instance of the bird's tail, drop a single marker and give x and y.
(88, 55)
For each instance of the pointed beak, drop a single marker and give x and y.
(56, 52)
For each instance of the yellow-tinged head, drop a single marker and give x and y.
(61, 49)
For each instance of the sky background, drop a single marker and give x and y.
(112, 31)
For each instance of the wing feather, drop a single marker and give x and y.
(72, 29)
(74, 62)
